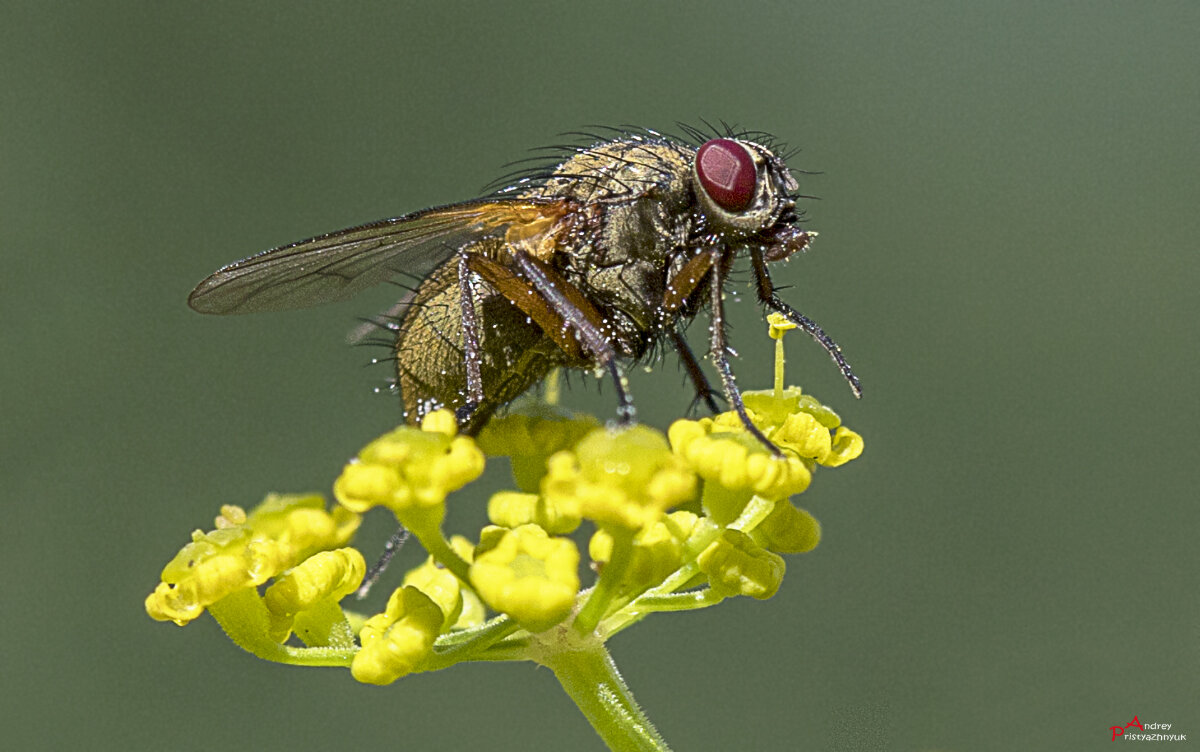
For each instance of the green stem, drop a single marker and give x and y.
(502, 624)
(324, 625)
(244, 617)
(590, 677)
(607, 587)
(757, 510)
(779, 369)
(679, 601)
(469, 644)
(439, 548)
(506, 650)
(660, 598)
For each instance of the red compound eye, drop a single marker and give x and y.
(727, 172)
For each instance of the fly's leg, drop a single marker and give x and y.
(394, 543)
(768, 296)
(679, 288)
(720, 356)
(582, 317)
(704, 390)
(687, 280)
(472, 350)
(562, 311)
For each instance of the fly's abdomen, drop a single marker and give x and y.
(431, 352)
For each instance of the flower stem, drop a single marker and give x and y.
(662, 597)
(606, 588)
(243, 616)
(439, 548)
(467, 645)
(757, 510)
(590, 677)
(779, 369)
(679, 601)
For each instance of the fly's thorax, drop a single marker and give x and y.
(634, 202)
(625, 265)
(619, 171)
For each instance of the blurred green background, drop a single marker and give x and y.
(1007, 253)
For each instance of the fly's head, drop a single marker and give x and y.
(747, 197)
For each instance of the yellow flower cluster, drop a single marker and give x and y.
(411, 471)
(246, 551)
(798, 422)
(395, 642)
(514, 508)
(681, 521)
(528, 574)
(320, 580)
(721, 451)
(737, 565)
(626, 479)
(442, 587)
(658, 550)
(788, 529)
(529, 434)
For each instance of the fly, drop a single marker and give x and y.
(585, 262)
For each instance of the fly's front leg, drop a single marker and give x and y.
(686, 280)
(679, 288)
(768, 296)
(720, 356)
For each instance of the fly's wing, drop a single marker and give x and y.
(336, 266)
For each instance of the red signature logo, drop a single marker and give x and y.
(1120, 730)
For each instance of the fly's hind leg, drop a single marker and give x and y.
(472, 349)
(704, 390)
(561, 311)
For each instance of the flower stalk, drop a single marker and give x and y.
(589, 676)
